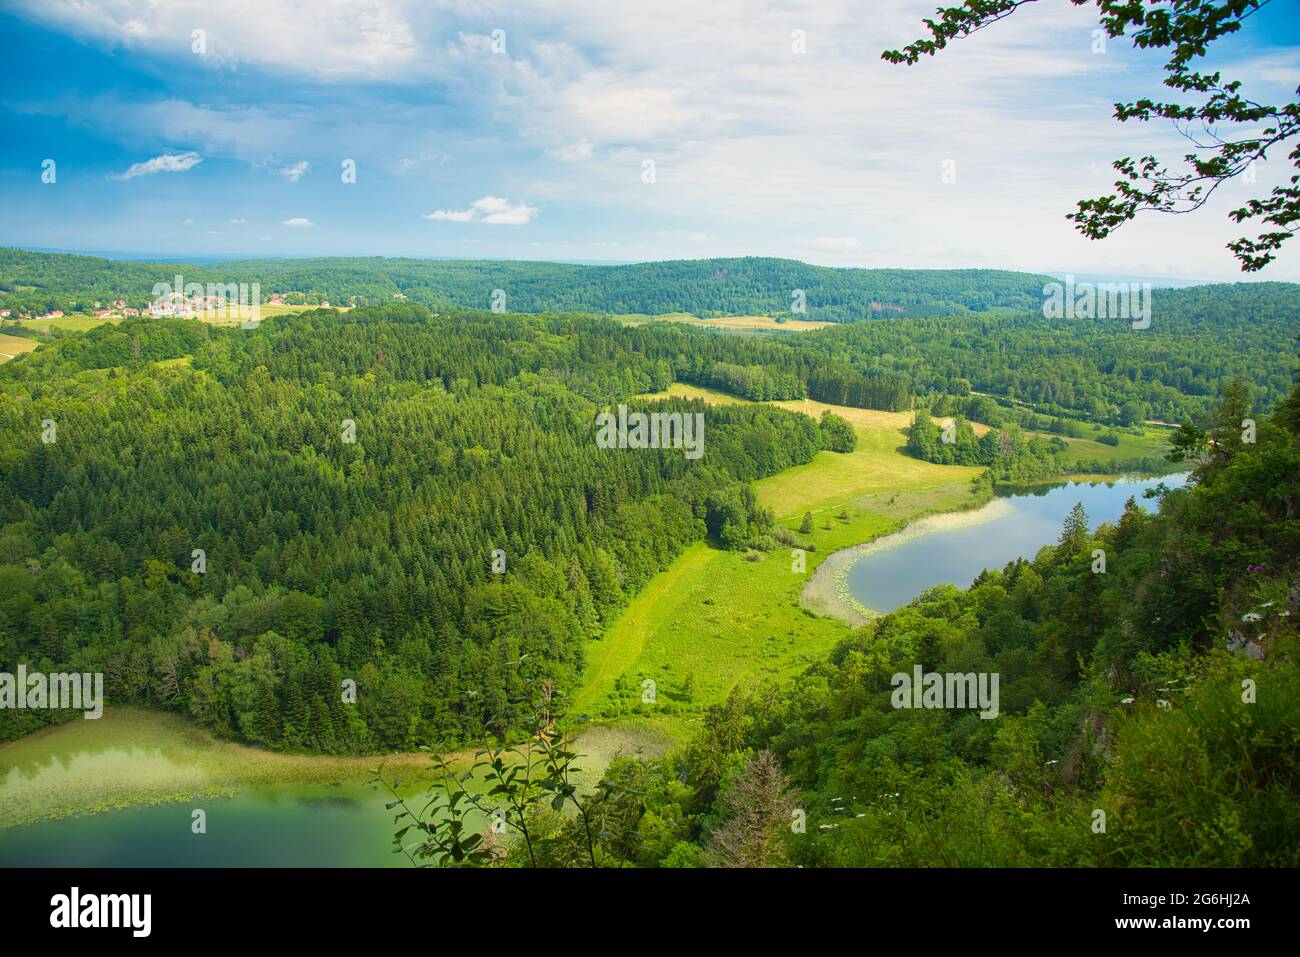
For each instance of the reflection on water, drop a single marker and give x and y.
(283, 826)
(319, 824)
(889, 579)
(328, 801)
(57, 766)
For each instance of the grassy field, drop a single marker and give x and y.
(1153, 442)
(717, 619)
(11, 346)
(228, 318)
(68, 323)
(832, 481)
(734, 323)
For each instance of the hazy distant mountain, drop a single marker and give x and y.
(704, 287)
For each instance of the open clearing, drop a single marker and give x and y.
(66, 323)
(832, 481)
(735, 323)
(11, 346)
(228, 317)
(1152, 443)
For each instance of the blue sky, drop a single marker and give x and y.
(534, 145)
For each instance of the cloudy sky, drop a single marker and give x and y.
(528, 130)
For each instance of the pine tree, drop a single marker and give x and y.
(760, 811)
(1074, 533)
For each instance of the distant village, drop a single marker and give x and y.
(172, 305)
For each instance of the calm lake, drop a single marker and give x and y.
(1024, 523)
(334, 821)
(278, 826)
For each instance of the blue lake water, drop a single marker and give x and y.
(890, 578)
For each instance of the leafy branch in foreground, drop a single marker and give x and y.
(447, 840)
(1186, 28)
(514, 787)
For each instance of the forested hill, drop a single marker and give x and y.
(229, 522)
(703, 287)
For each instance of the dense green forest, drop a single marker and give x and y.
(1009, 454)
(1101, 370)
(350, 481)
(1149, 705)
(702, 287)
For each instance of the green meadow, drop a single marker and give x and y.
(1153, 442)
(11, 346)
(733, 323)
(67, 323)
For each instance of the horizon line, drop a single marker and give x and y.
(1055, 273)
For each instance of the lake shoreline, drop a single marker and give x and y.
(172, 760)
(826, 592)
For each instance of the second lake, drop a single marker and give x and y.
(1023, 523)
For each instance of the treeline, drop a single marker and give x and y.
(754, 382)
(1008, 453)
(231, 523)
(704, 287)
(1101, 370)
(838, 385)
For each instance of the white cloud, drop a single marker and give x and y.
(488, 209)
(167, 163)
(298, 221)
(236, 222)
(295, 172)
(451, 215)
(829, 144)
(340, 40)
